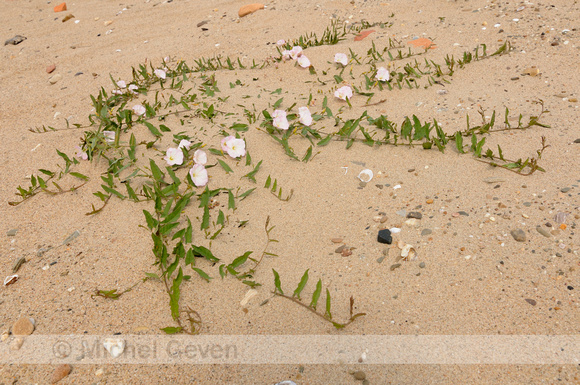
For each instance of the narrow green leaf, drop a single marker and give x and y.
(240, 260)
(328, 314)
(79, 175)
(152, 129)
(151, 222)
(113, 191)
(301, 285)
(156, 171)
(231, 200)
(202, 274)
(171, 330)
(244, 195)
(225, 166)
(175, 294)
(277, 283)
(316, 294)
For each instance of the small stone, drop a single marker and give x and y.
(385, 236)
(15, 40)
(527, 204)
(415, 214)
(573, 100)
(429, 201)
(340, 249)
(422, 265)
(395, 266)
(413, 222)
(426, 232)
(68, 17)
(515, 78)
(5, 335)
(250, 8)
(519, 235)
(336, 240)
(494, 179)
(107, 23)
(543, 231)
(54, 78)
(12, 232)
(565, 189)
(381, 259)
(202, 23)
(61, 7)
(359, 375)
(532, 71)
(60, 372)
(402, 213)
(463, 213)
(99, 372)
(50, 69)
(577, 140)
(346, 252)
(17, 343)
(22, 327)
(531, 301)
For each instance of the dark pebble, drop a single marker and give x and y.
(426, 232)
(531, 301)
(381, 259)
(565, 189)
(385, 236)
(577, 140)
(12, 232)
(415, 214)
(15, 40)
(527, 204)
(422, 265)
(519, 235)
(395, 266)
(463, 213)
(570, 287)
(204, 22)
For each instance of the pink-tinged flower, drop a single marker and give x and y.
(200, 157)
(121, 84)
(184, 143)
(160, 73)
(382, 74)
(139, 109)
(133, 88)
(224, 143)
(280, 121)
(198, 175)
(303, 61)
(81, 154)
(109, 136)
(174, 156)
(341, 59)
(117, 92)
(286, 54)
(280, 42)
(296, 52)
(234, 147)
(344, 93)
(305, 116)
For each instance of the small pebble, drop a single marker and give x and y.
(23, 327)
(422, 265)
(336, 240)
(17, 343)
(250, 8)
(60, 372)
(519, 235)
(54, 78)
(50, 69)
(359, 375)
(415, 214)
(543, 231)
(429, 201)
(12, 232)
(531, 301)
(426, 232)
(395, 266)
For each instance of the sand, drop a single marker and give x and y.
(475, 279)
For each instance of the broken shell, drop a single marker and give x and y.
(394, 230)
(365, 175)
(560, 217)
(251, 293)
(10, 279)
(115, 346)
(408, 253)
(400, 244)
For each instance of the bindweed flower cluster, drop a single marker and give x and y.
(109, 136)
(198, 173)
(235, 147)
(124, 89)
(81, 154)
(296, 53)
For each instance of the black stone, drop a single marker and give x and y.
(385, 237)
(415, 214)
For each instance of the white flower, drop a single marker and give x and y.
(343, 93)
(280, 42)
(109, 136)
(198, 175)
(121, 84)
(139, 109)
(382, 74)
(160, 73)
(234, 147)
(133, 88)
(184, 143)
(305, 116)
(117, 92)
(81, 154)
(286, 55)
(200, 157)
(303, 61)
(341, 58)
(280, 121)
(296, 52)
(174, 156)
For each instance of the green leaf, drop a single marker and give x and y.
(325, 141)
(268, 182)
(240, 260)
(308, 155)
(316, 294)
(240, 127)
(277, 281)
(225, 166)
(113, 191)
(231, 200)
(175, 294)
(152, 129)
(205, 219)
(156, 171)
(328, 314)
(151, 222)
(251, 174)
(278, 103)
(131, 192)
(79, 175)
(301, 285)
(202, 274)
(244, 195)
(221, 218)
(172, 330)
(204, 252)
(459, 142)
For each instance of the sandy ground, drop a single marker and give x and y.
(476, 278)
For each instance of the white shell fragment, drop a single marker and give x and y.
(408, 253)
(365, 175)
(10, 279)
(115, 346)
(395, 230)
(249, 295)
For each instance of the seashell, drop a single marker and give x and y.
(365, 175)
(10, 279)
(408, 253)
(395, 230)
(115, 346)
(251, 293)
(560, 217)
